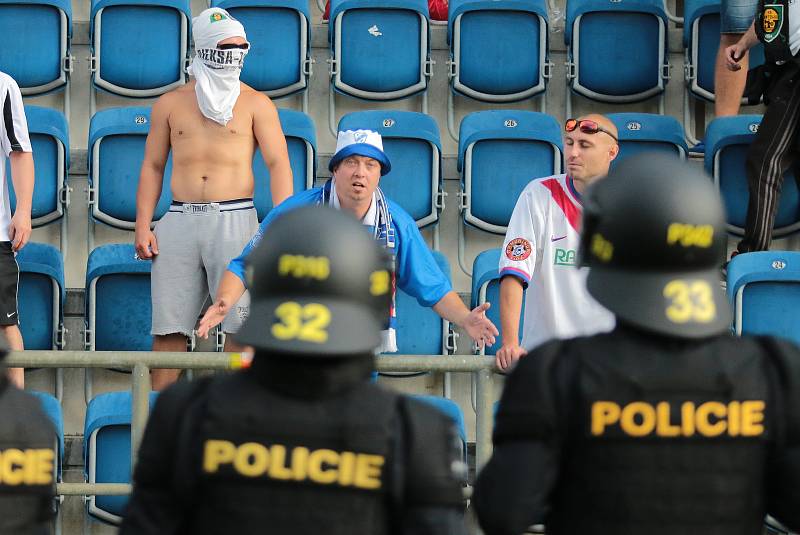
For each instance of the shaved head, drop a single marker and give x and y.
(588, 156)
(603, 121)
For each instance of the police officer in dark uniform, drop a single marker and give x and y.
(668, 424)
(27, 460)
(302, 441)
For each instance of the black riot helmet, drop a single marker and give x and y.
(319, 285)
(654, 237)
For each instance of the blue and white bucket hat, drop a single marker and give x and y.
(361, 143)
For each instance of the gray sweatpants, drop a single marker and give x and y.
(194, 251)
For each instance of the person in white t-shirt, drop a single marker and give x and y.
(541, 244)
(14, 231)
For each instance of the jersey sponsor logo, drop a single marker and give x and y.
(772, 21)
(564, 257)
(664, 419)
(304, 267)
(26, 467)
(688, 235)
(276, 461)
(518, 249)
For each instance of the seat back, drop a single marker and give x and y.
(486, 288)
(279, 33)
(381, 47)
(764, 289)
(41, 296)
(450, 409)
(301, 142)
(52, 408)
(618, 49)
(49, 136)
(107, 450)
(727, 140)
(499, 49)
(134, 59)
(648, 132)
(411, 141)
(118, 307)
(116, 149)
(36, 55)
(502, 151)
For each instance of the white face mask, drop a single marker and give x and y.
(216, 71)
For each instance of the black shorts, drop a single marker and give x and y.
(9, 280)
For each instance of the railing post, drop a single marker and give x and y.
(140, 410)
(484, 392)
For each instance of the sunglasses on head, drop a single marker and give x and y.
(234, 46)
(587, 126)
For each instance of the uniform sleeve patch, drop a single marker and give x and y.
(518, 249)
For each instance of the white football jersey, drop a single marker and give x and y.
(541, 248)
(13, 137)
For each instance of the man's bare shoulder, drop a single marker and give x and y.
(254, 99)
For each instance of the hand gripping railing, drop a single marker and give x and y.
(140, 364)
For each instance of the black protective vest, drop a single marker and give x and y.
(772, 28)
(27, 463)
(288, 465)
(645, 457)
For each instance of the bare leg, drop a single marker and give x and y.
(164, 377)
(728, 84)
(231, 346)
(14, 337)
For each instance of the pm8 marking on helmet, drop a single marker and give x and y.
(690, 235)
(301, 267)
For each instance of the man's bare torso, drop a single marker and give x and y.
(211, 162)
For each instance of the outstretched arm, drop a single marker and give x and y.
(478, 326)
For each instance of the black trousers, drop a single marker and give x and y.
(774, 151)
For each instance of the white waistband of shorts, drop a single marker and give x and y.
(204, 207)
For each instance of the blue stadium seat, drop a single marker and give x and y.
(764, 289)
(624, 53)
(380, 50)
(648, 132)
(118, 308)
(49, 135)
(107, 450)
(727, 139)
(411, 140)
(279, 31)
(52, 408)
(301, 141)
(41, 298)
(701, 25)
(486, 287)
(451, 409)
(498, 49)
(502, 151)
(116, 149)
(139, 47)
(37, 56)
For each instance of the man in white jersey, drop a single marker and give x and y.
(541, 244)
(14, 231)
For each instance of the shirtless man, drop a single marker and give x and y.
(212, 125)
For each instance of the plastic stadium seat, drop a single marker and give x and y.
(118, 308)
(380, 50)
(498, 49)
(279, 31)
(37, 57)
(617, 51)
(648, 132)
(139, 47)
(49, 136)
(502, 151)
(52, 408)
(116, 149)
(411, 140)
(107, 450)
(41, 296)
(301, 140)
(764, 289)
(451, 409)
(727, 139)
(486, 287)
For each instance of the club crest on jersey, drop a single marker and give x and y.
(518, 249)
(772, 21)
(216, 17)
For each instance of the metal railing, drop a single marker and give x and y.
(140, 364)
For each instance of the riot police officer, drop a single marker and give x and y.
(302, 441)
(668, 424)
(27, 460)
